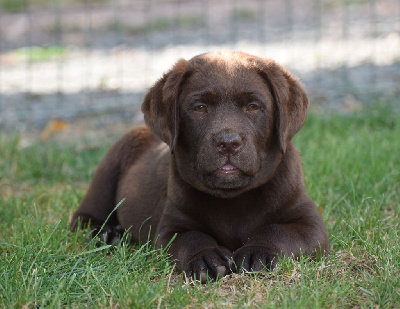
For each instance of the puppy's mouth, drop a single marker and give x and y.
(227, 169)
(227, 181)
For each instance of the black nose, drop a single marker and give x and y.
(228, 144)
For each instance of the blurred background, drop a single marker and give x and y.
(88, 63)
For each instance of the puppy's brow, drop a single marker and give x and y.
(253, 96)
(196, 95)
(200, 95)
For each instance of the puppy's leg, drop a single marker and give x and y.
(100, 199)
(305, 235)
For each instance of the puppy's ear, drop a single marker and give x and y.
(160, 105)
(291, 102)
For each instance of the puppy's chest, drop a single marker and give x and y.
(233, 227)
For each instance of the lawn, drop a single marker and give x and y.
(352, 171)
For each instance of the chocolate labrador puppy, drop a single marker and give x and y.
(215, 169)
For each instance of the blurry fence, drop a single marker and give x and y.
(72, 58)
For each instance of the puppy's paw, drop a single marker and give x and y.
(210, 263)
(254, 258)
(109, 235)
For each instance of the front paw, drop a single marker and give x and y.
(210, 263)
(109, 235)
(254, 258)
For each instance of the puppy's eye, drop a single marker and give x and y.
(252, 107)
(200, 108)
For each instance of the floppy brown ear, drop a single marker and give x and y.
(291, 102)
(160, 105)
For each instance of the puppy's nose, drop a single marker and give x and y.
(228, 144)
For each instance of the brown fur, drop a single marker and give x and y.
(215, 167)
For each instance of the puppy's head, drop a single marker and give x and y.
(228, 118)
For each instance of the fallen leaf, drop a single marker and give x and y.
(52, 127)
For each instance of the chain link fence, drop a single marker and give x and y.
(66, 59)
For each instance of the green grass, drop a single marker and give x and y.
(352, 171)
(243, 14)
(38, 53)
(158, 24)
(18, 5)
